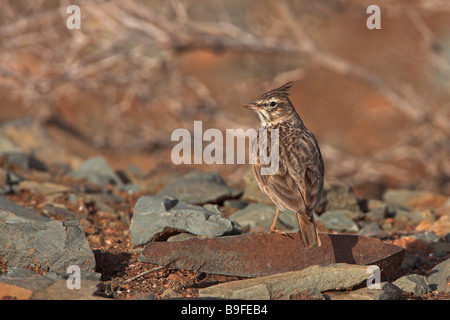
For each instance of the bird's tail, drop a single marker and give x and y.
(308, 232)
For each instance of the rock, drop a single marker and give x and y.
(309, 294)
(372, 229)
(8, 206)
(440, 248)
(8, 291)
(413, 218)
(170, 293)
(28, 136)
(387, 291)
(252, 191)
(415, 284)
(135, 171)
(440, 227)
(439, 277)
(130, 188)
(446, 204)
(353, 215)
(181, 237)
(84, 275)
(154, 184)
(412, 261)
(377, 213)
(337, 196)
(60, 291)
(24, 161)
(412, 245)
(154, 215)
(259, 217)
(427, 236)
(96, 170)
(27, 239)
(255, 255)
(20, 283)
(14, 179)
(59, 212)
(199, 188)
(235, 204)
(103, 201)
(414, 198)
(42, 188)
(336, 220)
(284, 285)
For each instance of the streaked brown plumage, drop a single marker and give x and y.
(298, 183)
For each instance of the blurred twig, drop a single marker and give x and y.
(128, 52)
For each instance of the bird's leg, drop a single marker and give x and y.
(272, 228)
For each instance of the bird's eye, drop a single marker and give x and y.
(273, 103)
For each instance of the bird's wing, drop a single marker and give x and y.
(309, 178)
(280, 188)
(298, 183)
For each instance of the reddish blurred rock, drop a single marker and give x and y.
(441, 227)
(429, 200)
(412, 245)
(414, 198)
(12, 292)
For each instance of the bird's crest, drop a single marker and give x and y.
(282, 91)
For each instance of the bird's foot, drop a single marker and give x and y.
(273, 230)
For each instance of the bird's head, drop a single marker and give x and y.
(273, 106)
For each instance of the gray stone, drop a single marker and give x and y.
(61, 213)
(181, 237)
(337, 196)
(353, 215)
(415, 284)
(371, 229)
(235, 204)
(413, 218)
(387, 291)
(135, 170)
(259, 217)
(412, 261)
(284, 285)
(73, 199)
(13, 178)
(440, 248)
(102, 201)
(427, 236)
(252, 191)
(8, 206)
(377, 213)
(42, 188)
(84, 275)
(309, 294)
(413, 198)
(170, 293)
(439, 277)
(60, 291)
(199, 188)
(130, 188)
(23, 160)
(26, 240)
(154, 215)
(96, 170)
(24, 278)
(336, 220)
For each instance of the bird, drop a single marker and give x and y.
(298, 182)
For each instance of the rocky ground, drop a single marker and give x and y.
(98, 219)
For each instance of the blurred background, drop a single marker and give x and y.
(377, 100)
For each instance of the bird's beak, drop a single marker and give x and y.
(251, 106)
